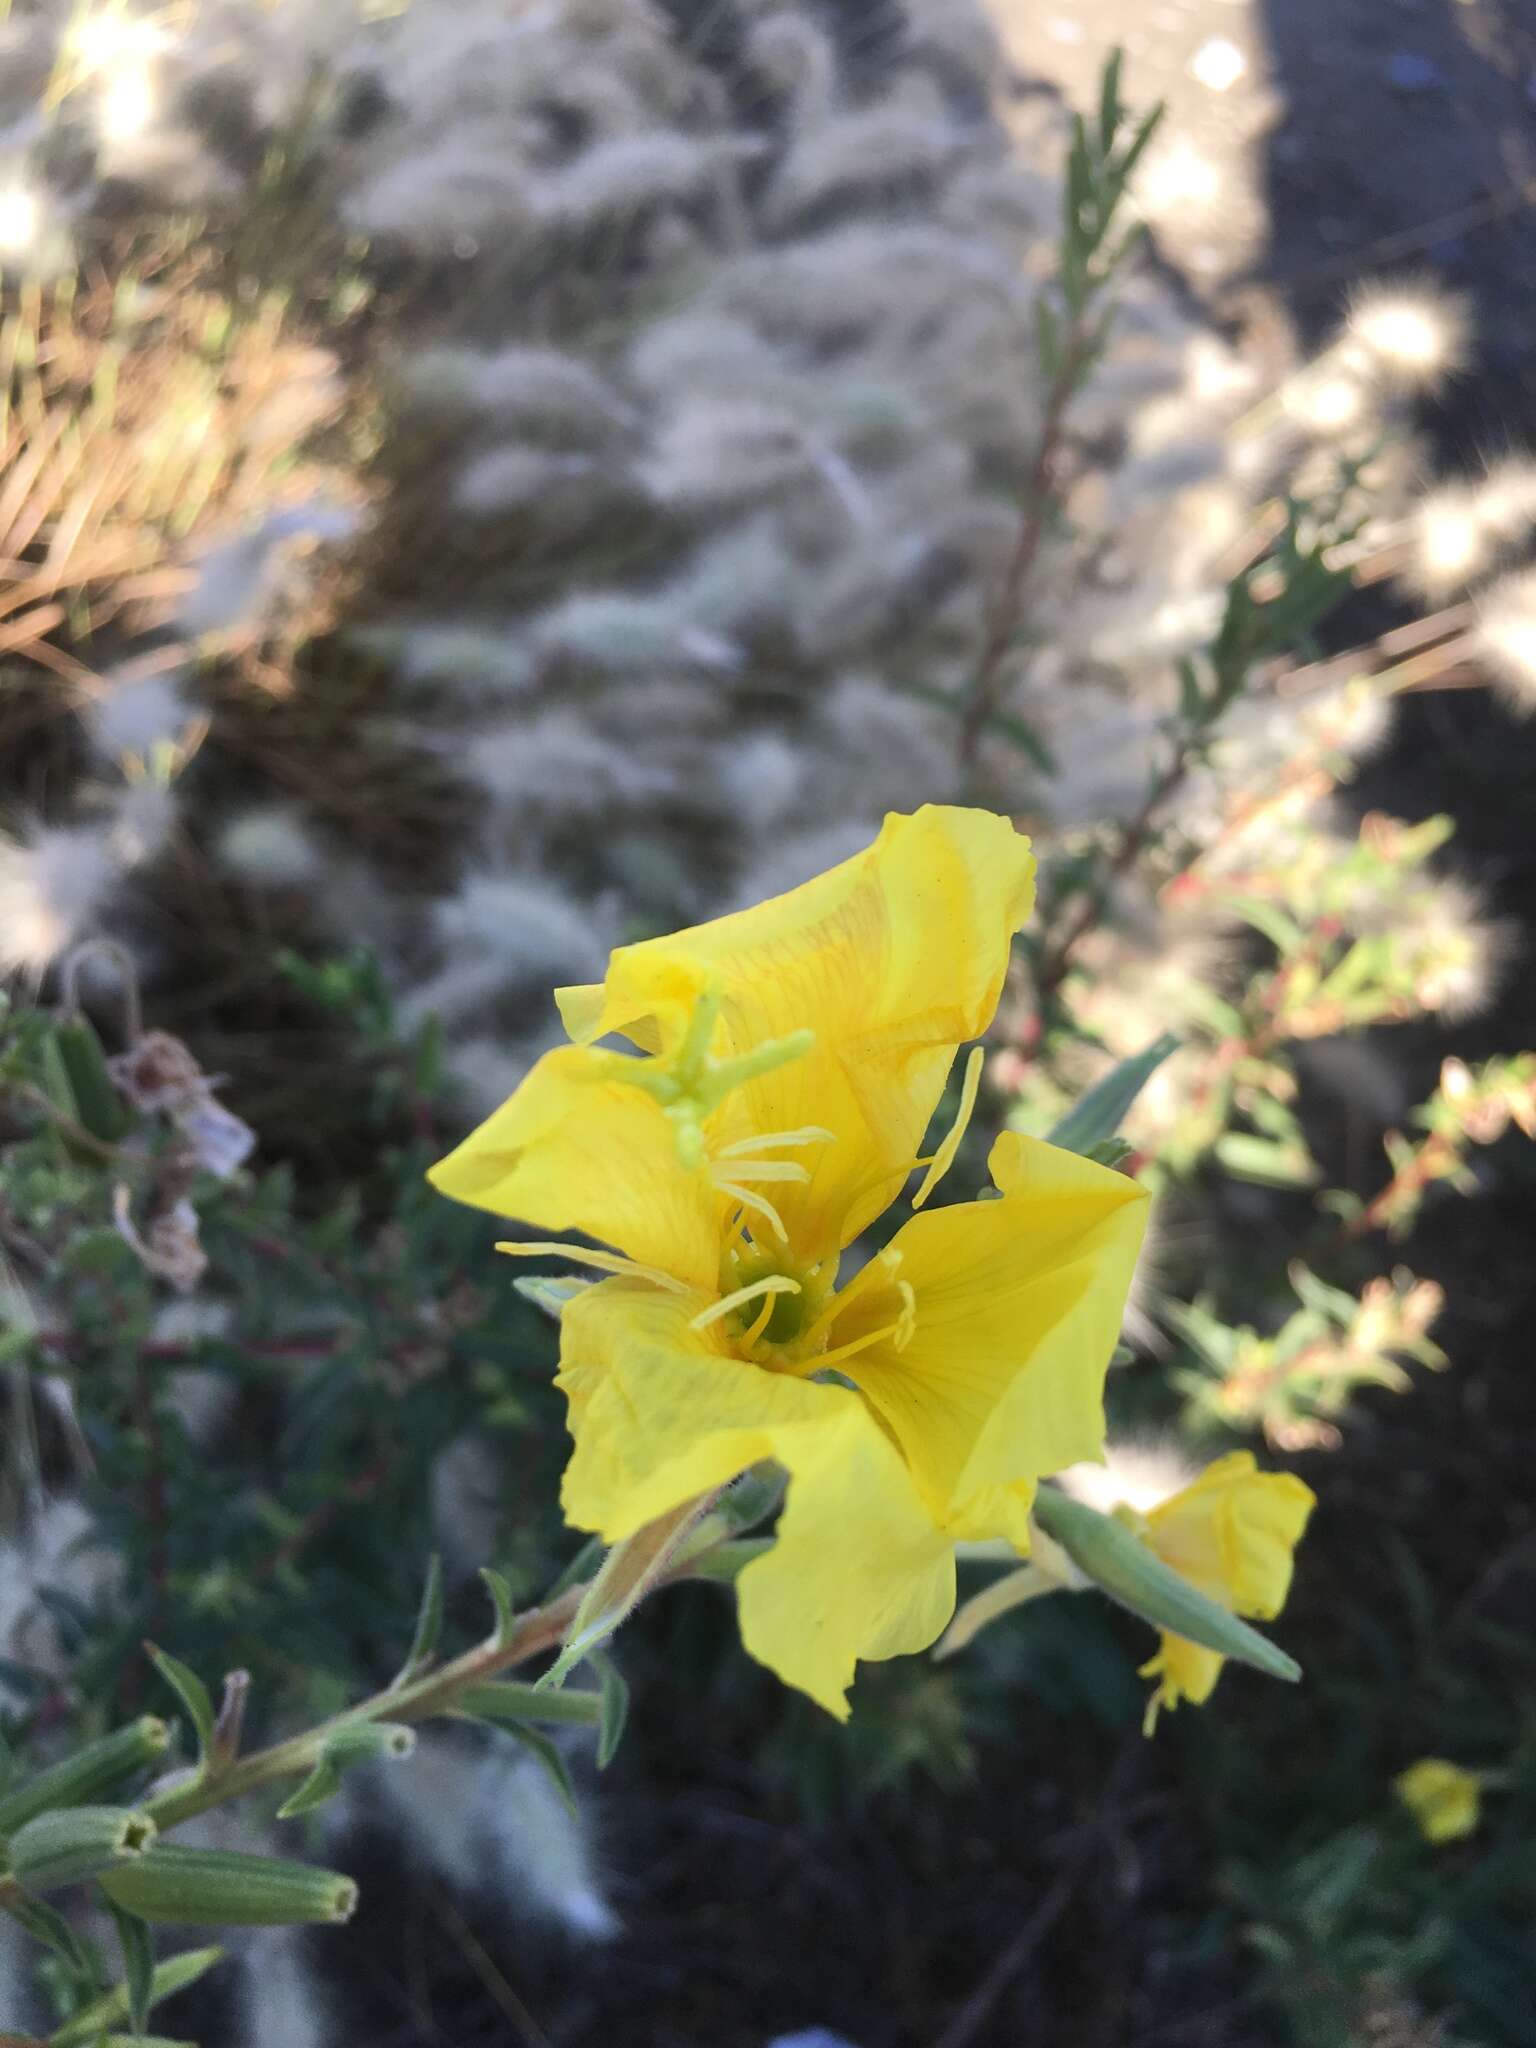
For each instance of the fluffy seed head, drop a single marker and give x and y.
(1505, 636)
(1412, 335)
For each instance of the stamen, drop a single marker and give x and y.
(766, 1169)
(880, 1271)
(807, 1134)
(773, 1283)
(944, 1158)
(858, 1344)
(605, 1262)
(759, 1204)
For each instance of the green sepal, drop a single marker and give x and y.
(549, 1294)
(1115, 1559)
(626, 1575)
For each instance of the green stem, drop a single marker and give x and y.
(436, 1692)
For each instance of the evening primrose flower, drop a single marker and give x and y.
(1231, 1535)
(1444, 1799)
(789, 1059)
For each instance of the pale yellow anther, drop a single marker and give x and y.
(807, 1134)
(758, 1204)
(605, 1262)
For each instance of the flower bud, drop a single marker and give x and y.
(1121, 1565)
(182, 1887)
(77, 1843)
(89, 1773)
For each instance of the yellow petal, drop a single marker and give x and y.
(893, 959)
(1233, 1532)
(1017, 1307)
(661, 1413)
(1184, 1671)
(571, 1151)
(1444, 1799)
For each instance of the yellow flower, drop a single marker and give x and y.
(1231, 1535)
(792, 1056)
(1442, 1797)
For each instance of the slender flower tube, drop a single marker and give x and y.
(787, 1063)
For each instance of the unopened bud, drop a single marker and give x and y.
(78, 1843)
(182, 1887)
(1116, 1560)
(86, 1775)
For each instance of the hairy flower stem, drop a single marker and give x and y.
(435, 1692)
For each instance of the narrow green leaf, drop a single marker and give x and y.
(549, 1760)
(322, 1785)
(1109, 101)
(501, 1600)
(135, 1941)
(171, 1976)
(46, 1924)
(1101, 1111)
(614, 1698)
(429, 1625)
(192, 1693)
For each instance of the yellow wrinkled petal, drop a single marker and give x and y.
(1018, 1304)
(661, 1414)
(571, 1151)
(893, 959)
(1444, 1799)
(1233, 1533)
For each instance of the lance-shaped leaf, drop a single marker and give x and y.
(85, 2030)
(1121, 1565)
(1103, 1109)
(192, 1693)
(429, 1626)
